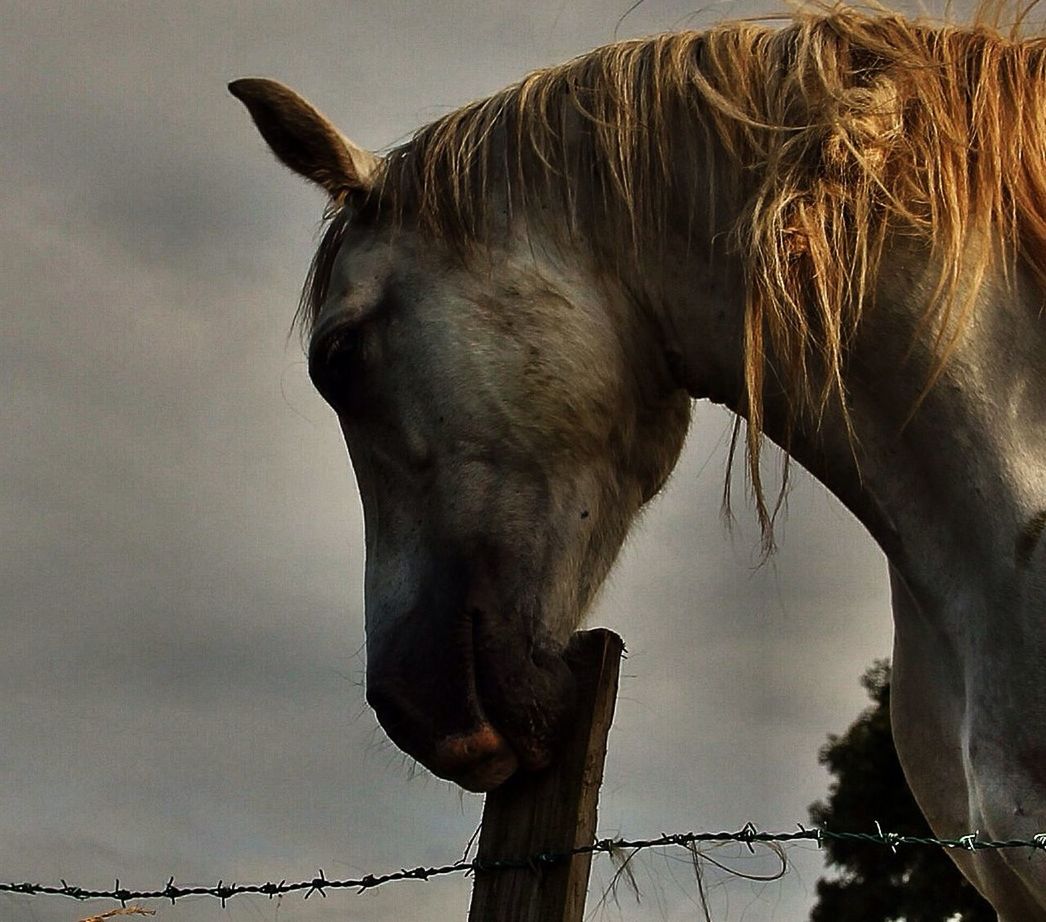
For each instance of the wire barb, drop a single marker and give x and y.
(888, 838)
(318, 883)
(747, 834)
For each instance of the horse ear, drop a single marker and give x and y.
(303, 139)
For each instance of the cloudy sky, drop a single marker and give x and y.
(181, 576)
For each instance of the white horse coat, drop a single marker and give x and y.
(836, 229)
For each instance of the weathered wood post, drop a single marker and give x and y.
(554, 810)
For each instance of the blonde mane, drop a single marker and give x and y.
(841, 128)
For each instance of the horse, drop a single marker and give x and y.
(835, 226)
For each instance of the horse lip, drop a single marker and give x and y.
(479, 761)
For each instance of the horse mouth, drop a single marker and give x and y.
(493, 701)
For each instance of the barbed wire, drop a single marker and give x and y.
(748, 835)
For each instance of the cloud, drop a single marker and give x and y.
(183, 544)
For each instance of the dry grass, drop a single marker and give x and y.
(126, 911)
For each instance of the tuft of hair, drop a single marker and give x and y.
(842, 127)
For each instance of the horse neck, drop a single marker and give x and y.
(946, 492)
(957, 467)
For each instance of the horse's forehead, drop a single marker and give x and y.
(364, 257)
(374, 273)
(426, 278)
(360, 276)
(374, 259)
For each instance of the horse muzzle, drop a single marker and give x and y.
(474, 698)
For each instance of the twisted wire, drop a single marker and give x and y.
(747, 835)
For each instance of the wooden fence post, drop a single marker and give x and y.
(553, 810)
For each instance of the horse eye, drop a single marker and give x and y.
(334, 363)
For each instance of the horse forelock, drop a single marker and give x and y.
(842, 127)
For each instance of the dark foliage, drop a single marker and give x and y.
(915, 884)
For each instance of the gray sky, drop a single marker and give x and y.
(181, 581)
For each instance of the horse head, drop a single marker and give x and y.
(836, 228)
(507, 414)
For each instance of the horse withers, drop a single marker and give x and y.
(836, 228)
